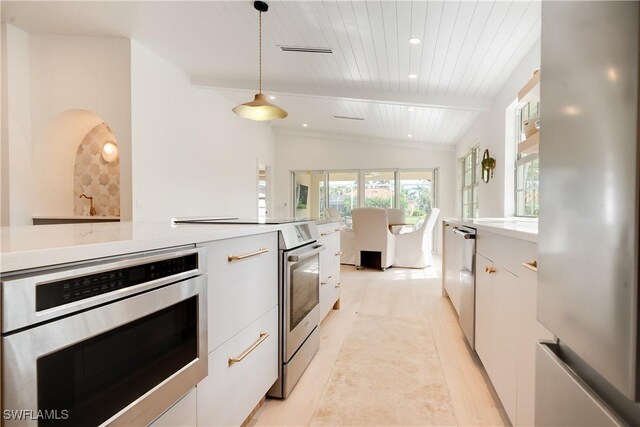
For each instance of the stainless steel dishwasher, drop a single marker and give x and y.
(467, 253)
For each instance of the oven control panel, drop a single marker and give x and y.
(54, 294)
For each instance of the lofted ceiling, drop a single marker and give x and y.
(466, 52)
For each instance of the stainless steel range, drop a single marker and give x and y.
(299, 295)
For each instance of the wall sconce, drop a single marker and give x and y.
(488, 165)
(109, 152)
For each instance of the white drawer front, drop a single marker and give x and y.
(182, 414)
(329, 294)
(230, 392)
(506, 251)
(240, 290)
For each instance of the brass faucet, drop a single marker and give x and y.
(92, 210)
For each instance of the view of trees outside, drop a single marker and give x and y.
(415, 193)
(343, 192)
(378, 189)
(527, 167)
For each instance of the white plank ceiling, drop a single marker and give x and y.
(467, 50)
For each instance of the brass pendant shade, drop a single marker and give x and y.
(260, 109)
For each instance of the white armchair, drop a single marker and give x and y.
(396, 216)
(371, 228)
(413, 250)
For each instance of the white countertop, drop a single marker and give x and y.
(518, 228)
(81, 217)
(31, 246)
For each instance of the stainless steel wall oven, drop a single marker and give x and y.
(110, 342)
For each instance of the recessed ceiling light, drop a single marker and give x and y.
(272, 97)
(304, 125)
(414, 40)
(411, 109)
(412, 76)
(409, 136)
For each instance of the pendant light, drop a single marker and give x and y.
(260, 108)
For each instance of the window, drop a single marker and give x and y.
(415, 194)
(527, 166)
(470, 181)
(309, 195)
(379, 189)
(343, 192)
(412, 190)
(262, 191)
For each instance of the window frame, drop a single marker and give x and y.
(472, 187)
(521, 161)
(360, 184)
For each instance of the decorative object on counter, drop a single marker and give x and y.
(96, 174)
(92, 210)
(488, 165)
(260, 108)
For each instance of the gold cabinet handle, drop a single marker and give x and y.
(338, 253)
(260, 251)
(339, 285)
(328, 233)
(531, 265)
(490, 270)
(328, 280)
(263, 336)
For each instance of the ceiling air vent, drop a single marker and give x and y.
(348, 118)
(305, 49)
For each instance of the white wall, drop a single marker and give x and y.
(57, 89)
(16, 129)
(77, 73)
(191, 155)
(489, 129)
(300, 151)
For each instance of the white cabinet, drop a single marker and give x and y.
(484, 312)
(451, 266)
(181, 414)
(506, 325)
(530, 332)
(242, 296)
(329, 267)
(240, 290)
(233, 389)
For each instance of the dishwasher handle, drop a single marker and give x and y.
(463, 233)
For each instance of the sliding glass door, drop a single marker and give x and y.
(379, 189)
(343, 192)
(416, 193)
(411, 190)
(309, 195)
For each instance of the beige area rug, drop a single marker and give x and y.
(387, 374)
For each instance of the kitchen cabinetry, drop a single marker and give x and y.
(451, 266)
(329, 267)
(506, 325)
(181, 414)
(241, 371)
(242, 327)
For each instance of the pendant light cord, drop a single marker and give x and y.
(260, 51)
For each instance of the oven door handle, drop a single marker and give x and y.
(297, 258)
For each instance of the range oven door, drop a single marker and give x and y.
(301, 296)
(122, 363)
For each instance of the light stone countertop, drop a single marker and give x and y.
(518, 228)
(33, 246)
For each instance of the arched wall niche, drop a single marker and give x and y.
(55, 158)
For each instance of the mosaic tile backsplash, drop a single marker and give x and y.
(95, 177)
